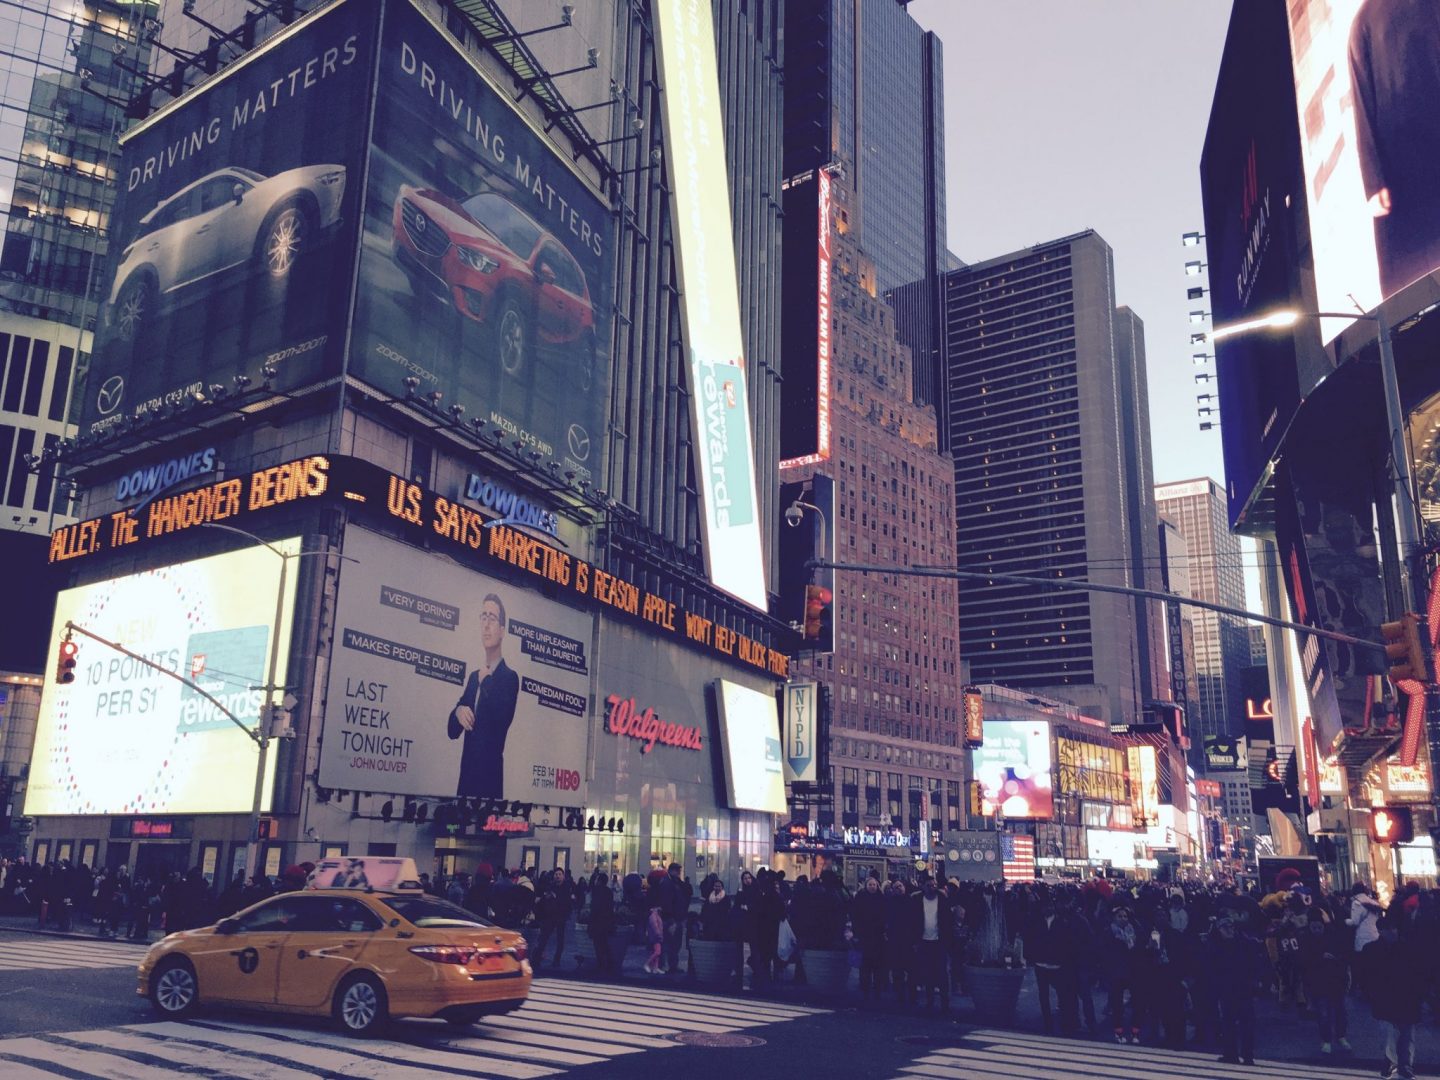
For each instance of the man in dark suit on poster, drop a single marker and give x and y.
(486, 709)
(1395, 79)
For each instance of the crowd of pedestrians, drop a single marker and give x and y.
(1171, 965)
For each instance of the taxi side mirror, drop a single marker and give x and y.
(227, 926)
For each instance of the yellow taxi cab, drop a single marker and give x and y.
(359, 954)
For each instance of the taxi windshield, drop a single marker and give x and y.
(426, 911)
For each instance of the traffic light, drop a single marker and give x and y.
(1391, 825)
(817, 612)
(65, 666)
(977, 799)
(1405, 649)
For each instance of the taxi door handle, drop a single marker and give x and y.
(301, 954)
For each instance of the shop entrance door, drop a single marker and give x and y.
(117, 854)
(157, 860)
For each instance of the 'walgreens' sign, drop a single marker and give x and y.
(625, 719)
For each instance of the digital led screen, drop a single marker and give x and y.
(124, 738)
(1366, 84)
(709, 298)
(750, 740)
(1013, 768)
(445, 682)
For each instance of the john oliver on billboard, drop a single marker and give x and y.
(233, 231)
(1367, 81)
(485, 264)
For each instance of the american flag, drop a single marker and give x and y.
(1017, 857)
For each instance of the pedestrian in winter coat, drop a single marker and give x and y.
(602, 923)
(899, 940)
(930, 929)
(1049, 946)
(1365, 912)
(1118, 943)
(1235, 962)
(1323, 967)
(552, 910)
(867, 923)
(1395, 982)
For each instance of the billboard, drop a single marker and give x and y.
(1224, 753)
(1366, 83)
(124, 738)
(1251, 184)
(444, 682)
(233, 234)
(1144, 769)
(709, 298)
(750, 745)
(1013, 768)
(486, 262)
(805, 325)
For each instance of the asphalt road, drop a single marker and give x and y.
(68, 1008)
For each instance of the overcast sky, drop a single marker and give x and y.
(1063, 115)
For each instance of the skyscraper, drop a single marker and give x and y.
(894, 673)
(865, 90)
(1046, 448)
(1222, 643)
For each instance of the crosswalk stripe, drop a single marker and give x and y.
(564, 1026)
(1188, 1058)
(180, 1054)
(329, 1061)
(700, 999)
(655, 1023)
(50, 954)
(1074, 1057)
(15, 1070)
(466, 1063)
(676, 1004)
(102, 1066)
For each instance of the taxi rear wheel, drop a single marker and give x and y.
(174, 990)
(360, 1005)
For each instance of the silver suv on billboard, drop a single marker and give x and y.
(232, 218)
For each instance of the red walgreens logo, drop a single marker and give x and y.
(624, 719)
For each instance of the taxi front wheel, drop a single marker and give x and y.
(173, 988)
(360, 1006)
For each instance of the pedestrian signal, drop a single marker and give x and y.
(65, 666)
(818, 600)
(1405, 649)
(1391, 825)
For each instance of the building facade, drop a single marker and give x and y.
(895, 747)
(1222, 642)
(404, 533)
(865, 92)
(1035, 404)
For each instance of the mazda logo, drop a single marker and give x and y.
(579, 440)
(112, 392)
(420, 223)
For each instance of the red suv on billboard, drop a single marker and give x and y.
(496, 266)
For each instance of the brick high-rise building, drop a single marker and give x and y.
(895, 735)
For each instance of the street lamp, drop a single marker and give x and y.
(263, 733)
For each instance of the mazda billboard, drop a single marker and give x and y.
(233, 232)
(486, 261)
